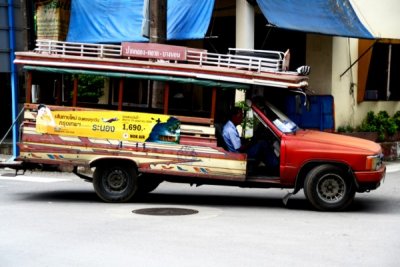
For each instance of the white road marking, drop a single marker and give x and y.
(24, 178)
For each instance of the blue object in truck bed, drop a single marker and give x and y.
(317, 114)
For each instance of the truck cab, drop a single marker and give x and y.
(329, 167)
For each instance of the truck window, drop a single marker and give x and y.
(279, 119)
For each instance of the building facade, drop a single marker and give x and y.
(361, 75)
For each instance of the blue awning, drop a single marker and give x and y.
(330, 17)
(113, 21)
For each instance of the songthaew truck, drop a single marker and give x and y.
(131, 153)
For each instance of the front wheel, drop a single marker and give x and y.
(328, 188)
(115, 182)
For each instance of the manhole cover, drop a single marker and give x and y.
(165, 211)
(9, 174)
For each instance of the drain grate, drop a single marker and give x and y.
(165, 211)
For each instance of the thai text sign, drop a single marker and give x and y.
(150, 50)
(116, 125)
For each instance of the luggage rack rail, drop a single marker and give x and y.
(245, 59)
(78, 49)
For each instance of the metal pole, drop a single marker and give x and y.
(14, 86)
(158, 21)
(389, 72)
(158, 34)
(120, 94)
(363, 54)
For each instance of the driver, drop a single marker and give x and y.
(259, 151)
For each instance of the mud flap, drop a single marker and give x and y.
(285, 199)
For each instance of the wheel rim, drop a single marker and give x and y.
(116, 181)
(331, 188)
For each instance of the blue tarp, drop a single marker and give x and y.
(330, 17)
(113, 21)
(318, 114)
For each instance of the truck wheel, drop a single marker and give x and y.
(328, 188)
(116, 183)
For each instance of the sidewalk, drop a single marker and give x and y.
(392, 166)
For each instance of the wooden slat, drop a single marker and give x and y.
(197, 130)
(30, 115)
(195, 120)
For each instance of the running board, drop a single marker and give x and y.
(263, 179)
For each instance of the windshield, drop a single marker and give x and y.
(280, 120)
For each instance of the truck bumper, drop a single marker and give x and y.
(370, 180)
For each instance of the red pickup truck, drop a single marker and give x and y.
(330, 168)
(128, 159)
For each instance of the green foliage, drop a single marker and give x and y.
(396, 118)
(345, 129)
(247, 123)
(243, 105)
(391, 127)
(381, 123)
(90, 87)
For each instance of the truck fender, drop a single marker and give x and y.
(308, 166)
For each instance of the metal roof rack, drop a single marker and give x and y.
(245, 59)
(78, 49)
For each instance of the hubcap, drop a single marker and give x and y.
(331, 188)
(116, 180)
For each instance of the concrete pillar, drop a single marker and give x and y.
(244, 32)
(244, 24)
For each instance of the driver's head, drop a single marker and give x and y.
(236, 115)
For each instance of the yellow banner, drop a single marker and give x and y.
(117, 125)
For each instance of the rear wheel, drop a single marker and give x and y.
(327, 187)
(116, 182)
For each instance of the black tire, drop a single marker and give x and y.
(328, 188)
(115, 182)
(147, 184)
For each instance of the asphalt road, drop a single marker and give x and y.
(56, 219)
